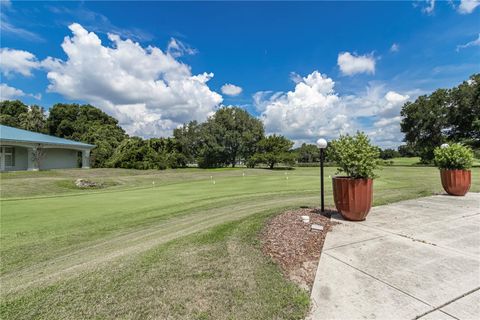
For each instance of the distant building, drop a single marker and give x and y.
(27, 150)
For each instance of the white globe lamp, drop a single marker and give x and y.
(322, 143)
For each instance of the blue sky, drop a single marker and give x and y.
(307, 69)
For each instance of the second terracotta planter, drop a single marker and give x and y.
(353, 197)
(456, 182)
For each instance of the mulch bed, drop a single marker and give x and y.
(294, 245)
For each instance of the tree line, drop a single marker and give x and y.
(446, 115)
(231, 136)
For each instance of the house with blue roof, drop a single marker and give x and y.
(28, 150)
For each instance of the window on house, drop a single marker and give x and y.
(9, 154)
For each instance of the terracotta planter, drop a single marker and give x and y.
(456, 182)
(353, 197)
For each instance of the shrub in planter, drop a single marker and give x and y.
(454, 162)
(357, 158)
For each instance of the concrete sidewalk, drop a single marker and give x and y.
(415, 259)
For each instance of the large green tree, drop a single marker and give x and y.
(87, 124)
(237, 132)
(34, 119)
(10, 111)
(407, 150)
(386, 154)
(230, 135)
(307, 153)
(188, 140)
(211, 151)
(15, 113)
(136, 153)
(464, 112)
(445, 115)
(272, 150)
(155, 153)
(170, 151)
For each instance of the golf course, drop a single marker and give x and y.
(161, 244)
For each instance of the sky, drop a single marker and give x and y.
(307, 69)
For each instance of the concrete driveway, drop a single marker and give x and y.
(415, 259)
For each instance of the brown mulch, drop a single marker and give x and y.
(294, 246)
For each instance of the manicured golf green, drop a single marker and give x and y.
(175, 243)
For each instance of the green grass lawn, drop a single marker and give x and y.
(415, 161)
(160, 244)
(405, 161)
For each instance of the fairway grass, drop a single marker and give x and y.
(405, 161)
(182, 247)
(219, 273)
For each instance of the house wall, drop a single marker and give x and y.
(59, 159)
(21, 160)
(53, 158)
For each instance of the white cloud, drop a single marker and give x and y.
(467, 6)
(394, 102)
(313, 109)
(17, 61)
(261, 99)
(473, 43)
(295, 77)
(430, 6)
(395, 47)
(352, 64)
(231, 89)
(384, 122)
(177, 48)
(8, 93)
(148, 90)
(386, 128)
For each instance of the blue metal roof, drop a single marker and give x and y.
(19, 135)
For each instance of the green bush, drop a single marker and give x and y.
(454, 156)
(354, 155)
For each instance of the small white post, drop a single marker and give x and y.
(32, 154)
(85, 159)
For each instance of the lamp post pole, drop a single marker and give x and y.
(322, 144)
(322, 200)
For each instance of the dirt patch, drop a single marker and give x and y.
(294, 245)
(84, 183)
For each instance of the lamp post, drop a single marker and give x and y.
(322, 144)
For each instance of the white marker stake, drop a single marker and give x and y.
(211, 177)
(153, 183)
(243, 174)
(213, 181)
